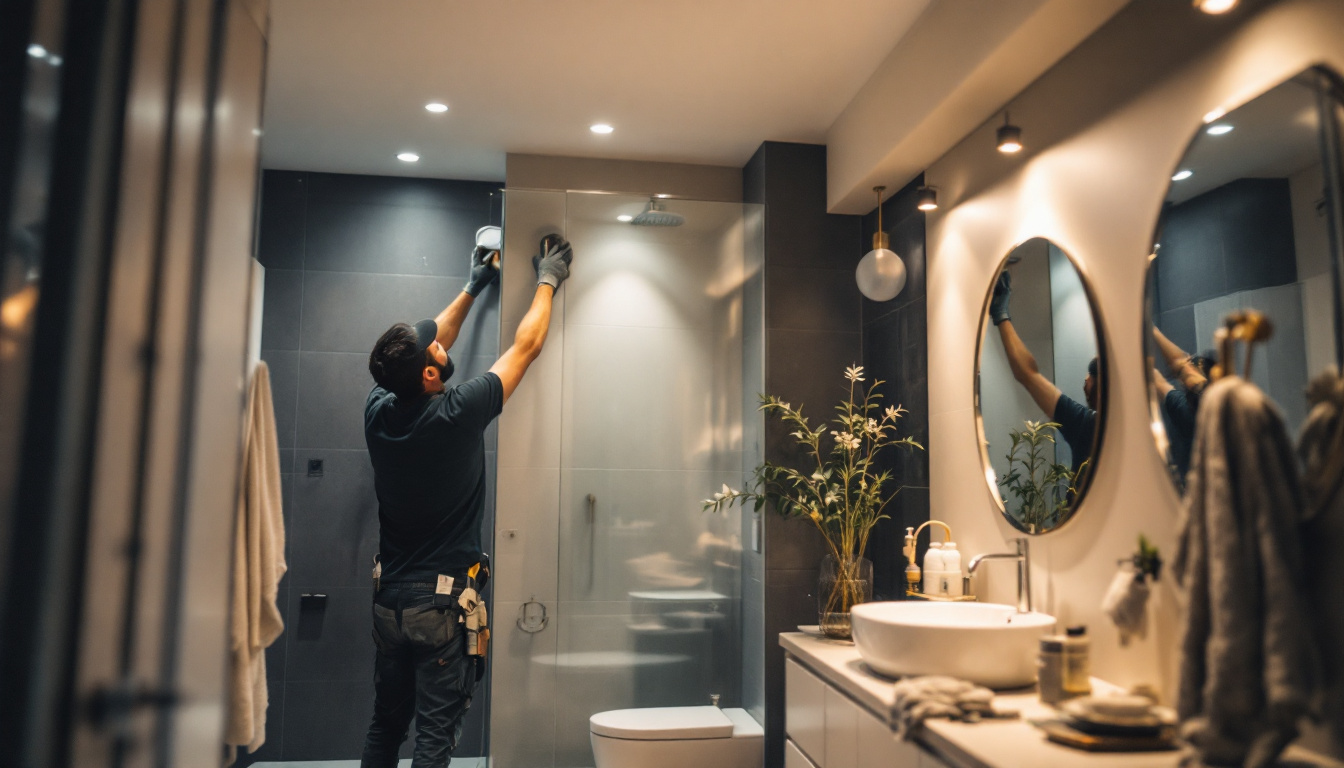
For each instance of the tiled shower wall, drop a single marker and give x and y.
(346, 257)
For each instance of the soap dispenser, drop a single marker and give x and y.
(934, 565)
(952, 570)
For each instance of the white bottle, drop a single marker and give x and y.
(933, 568)
(952, 568)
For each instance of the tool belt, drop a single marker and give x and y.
(462, 594)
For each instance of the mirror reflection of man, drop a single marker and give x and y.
(426, 442)
(1180, 401)
(1077, 422)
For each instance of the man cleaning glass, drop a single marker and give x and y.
(427, 444)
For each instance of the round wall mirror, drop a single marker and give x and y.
(1246, 225)
(1039, 386)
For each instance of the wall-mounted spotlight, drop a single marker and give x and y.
(1215, 7)
(1008, 137)
(928, 199)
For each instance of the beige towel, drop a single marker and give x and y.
(1248, 670)
(258, 564)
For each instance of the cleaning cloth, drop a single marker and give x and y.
(919, 698)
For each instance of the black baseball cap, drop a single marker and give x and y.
(425, 332)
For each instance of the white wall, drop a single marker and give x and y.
(1092, 180)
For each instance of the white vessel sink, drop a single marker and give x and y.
(986, 643)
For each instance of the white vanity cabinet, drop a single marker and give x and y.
(827, 729)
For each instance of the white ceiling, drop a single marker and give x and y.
(695, 81)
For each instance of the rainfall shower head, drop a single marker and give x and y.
(656, 215)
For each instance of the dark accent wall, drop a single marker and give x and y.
(812, 332)
(896, 351)
(347, 256)
(1237, 237)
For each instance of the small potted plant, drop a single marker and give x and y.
(1043, 488)
(844, 496)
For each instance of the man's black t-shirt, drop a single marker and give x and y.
(1180, 407)
(1078, 424)
(428, 459)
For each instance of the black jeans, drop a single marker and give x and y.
(421, 669)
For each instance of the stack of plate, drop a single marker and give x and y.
(1113, 724)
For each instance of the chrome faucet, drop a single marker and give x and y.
(1023, 558)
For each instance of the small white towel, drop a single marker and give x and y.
(919, 698)
(1126, 603)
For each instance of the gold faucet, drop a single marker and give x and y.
(912, 573)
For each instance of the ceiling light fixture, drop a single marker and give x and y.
(408, 157)
(625, 217)
(600, 128)
(436, 107)
(928, 199)
(1219, 129)
(1215, 7)
(1214, 114)
(881, 273)
(1182, 174)
(1008, 137)
(37, 51)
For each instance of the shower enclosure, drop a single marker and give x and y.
(613, 589)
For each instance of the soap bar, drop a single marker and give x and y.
(1120, 705)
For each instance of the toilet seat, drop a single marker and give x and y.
(663, 724)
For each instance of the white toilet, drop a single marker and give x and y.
(676, 737)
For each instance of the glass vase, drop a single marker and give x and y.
(841, 585)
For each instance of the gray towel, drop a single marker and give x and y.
(919, 698)
(1321, 449)
(1248, 669)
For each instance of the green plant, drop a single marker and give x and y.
(1044, 489)
(843, 495)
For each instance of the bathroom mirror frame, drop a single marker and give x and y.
(1328, 86)
(1102, 382)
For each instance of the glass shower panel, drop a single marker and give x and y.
(650, 423)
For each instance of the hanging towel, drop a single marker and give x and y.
(1321, 449)
(1248, 669)
(258, 564)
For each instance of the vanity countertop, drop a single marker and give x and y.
(990, 743)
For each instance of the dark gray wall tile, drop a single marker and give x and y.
(326, 719)
(812, 299)
(281, 309)
(333, 387)
(284, 369)
(1190, 263)
(790, 600)
(1257, 216)
(391, 239)
(1179, 326)
(328, 188)
(334, 642)
(806, 369)
(272, 749)
(275, 654)
(335, 531)
(791, 543)
(348, 311)
(280, 240)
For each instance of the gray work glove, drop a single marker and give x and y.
(998, 303)
(553, 267)
(484, 271)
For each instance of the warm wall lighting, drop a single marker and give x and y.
(436, 107)
(881, 273)
(928, 199)
(1182, 174)
(600, 128)
(1214, 114)
(1008, 137)
(1215, 6)
(408, 157)
(1218, 130)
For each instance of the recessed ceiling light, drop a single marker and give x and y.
(1219, 129)
(1214, 114)
(600, 128)
(408, 157)
(1215, 6)
(435, 106)
(1183, 174)
(37, 51)
(625, 217)
(662, 194)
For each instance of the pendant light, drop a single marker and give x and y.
(881, 273)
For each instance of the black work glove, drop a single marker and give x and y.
(998, 303)
(484, 271)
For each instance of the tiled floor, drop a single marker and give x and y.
(458, 762)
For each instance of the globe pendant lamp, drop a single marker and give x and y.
(881, 273)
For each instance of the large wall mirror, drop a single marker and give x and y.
(1247, 224)
(1039, 387)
